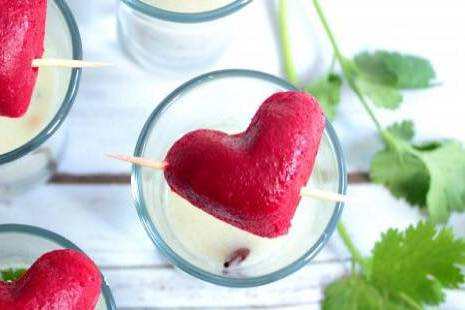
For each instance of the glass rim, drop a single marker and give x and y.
(178, 17)
(172, 256)
(68, 100)
(61, 241)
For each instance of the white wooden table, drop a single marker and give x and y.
(89, 200)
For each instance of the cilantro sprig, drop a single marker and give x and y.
(429, 174)
(410, 269)
(406, 270)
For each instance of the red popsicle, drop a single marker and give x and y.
(251, 180)
(22, 32)
(63, 279)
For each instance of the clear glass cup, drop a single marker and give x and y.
(22, 245)
(227, 100)
(34, 161)
(154, 37)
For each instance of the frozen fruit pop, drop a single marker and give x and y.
(251, 180)
(62, 279)
(22, 31)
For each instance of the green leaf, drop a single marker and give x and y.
(404, 174)
(446, 166)
(418, 263)
(328, 92)
(411, 71)
(355, 293)
(407, 270)
(397, 70)
(404, 130)
(351, 293)
(429, 175)
(374, 69)
(381, 95)
(11, 274)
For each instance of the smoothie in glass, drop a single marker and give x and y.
(201, 244)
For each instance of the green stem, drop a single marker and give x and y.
(289, 68)
(346, 70)
(345, 67)
(333, 64)
(356, 255)
(409, 301)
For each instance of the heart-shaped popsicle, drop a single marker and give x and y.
(22, 32)
(62, 279)
(251, 180)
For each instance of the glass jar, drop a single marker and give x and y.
(156, 37)
(32, 156)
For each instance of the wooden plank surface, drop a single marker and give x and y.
(122, 178)
(89, 200)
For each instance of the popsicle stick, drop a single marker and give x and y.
(305, 192)
(66, 63)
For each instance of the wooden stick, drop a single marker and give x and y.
(155, 164)
(305, 192)
(323, 195)
(66, 63)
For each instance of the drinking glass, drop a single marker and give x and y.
(227, 100)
